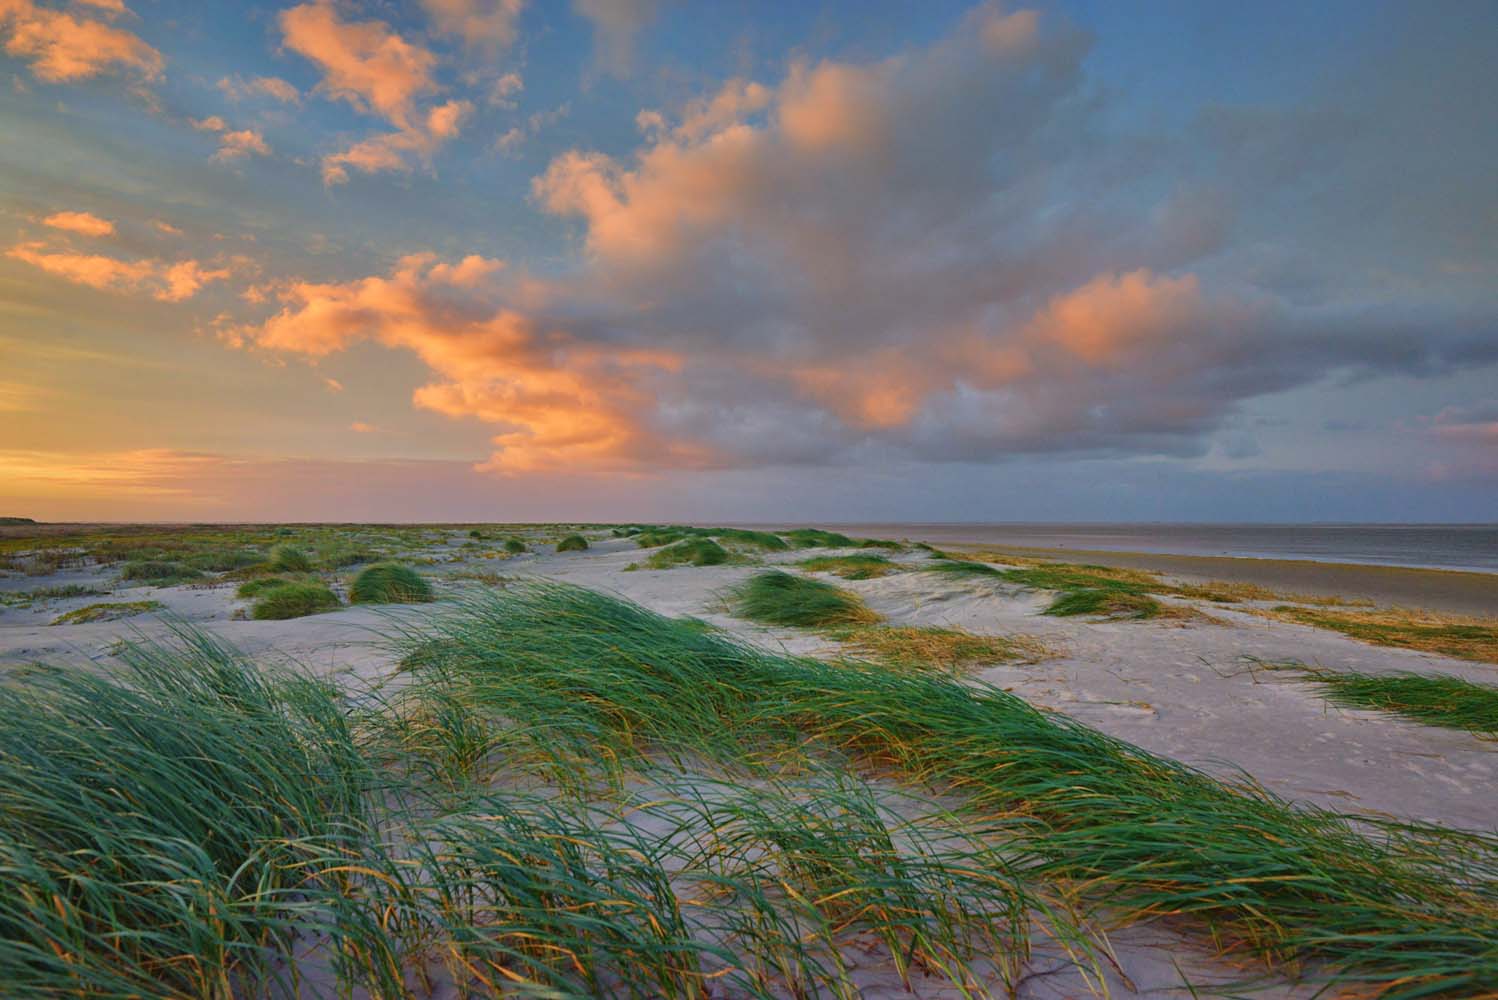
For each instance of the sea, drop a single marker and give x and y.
(1438, 546)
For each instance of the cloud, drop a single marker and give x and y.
(360, 427)
(363, 62)
(233, 144)
(63, 47)
(616, 25)
(162, 280)
(1473, 424)
(502, 92)
(945, 255)
(513, 138)
(394, 151)
(559, 402)
(273, 87)
(377, 71)
(84, 223)
(489, 24)
(162, 226)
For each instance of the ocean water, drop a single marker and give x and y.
(1443, 546)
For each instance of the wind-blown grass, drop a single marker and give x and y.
(1449, 635)
(150, 852)
(573, 543)
(158, 572)
(288, 559)
(688, 552)
(293, 600)
(1111, 603)
(1408, 909)
(776, 598)
(389, 583)
(1437, 700)
(816, 538)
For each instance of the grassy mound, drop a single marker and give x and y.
(107, 612)
(1109, 603)
(260, 584)
(285, 558)
(389, 583)
(688, 552)
(293, 600)
(777, 598)
(515, 546)
(860, 567)
(815, 538)
(160, 573)
(961, 567)
(573, 543)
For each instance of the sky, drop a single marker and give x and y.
(616, 260)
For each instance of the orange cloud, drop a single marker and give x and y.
(393, 151)
(560, 403)
(232, 144)
(1116, 317)
(363, 62)
(166, 282)
(85, 223)
(61, 47)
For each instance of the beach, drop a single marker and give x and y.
(1216, 683)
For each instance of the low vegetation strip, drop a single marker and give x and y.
(1408, 909)
(1451, 702)
(1449, 635)
(854, 567)
(108, 611)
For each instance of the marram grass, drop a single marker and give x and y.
(1433, 699)
(777, 598)
(1407, 910)
(223, 829)
(293, 599)
(573, 543)
(389, 583)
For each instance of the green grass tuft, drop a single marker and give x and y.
(573, 543)
(293, 600)
(389, 583)
(160, 573)
(1434, 699)
(285, 558)
(515, 546)
(1111, 603)
(816, 538)
(777, 598)
(688, 552)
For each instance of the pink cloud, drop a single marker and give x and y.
(84, 223)
(363, 62)
(61, 47)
